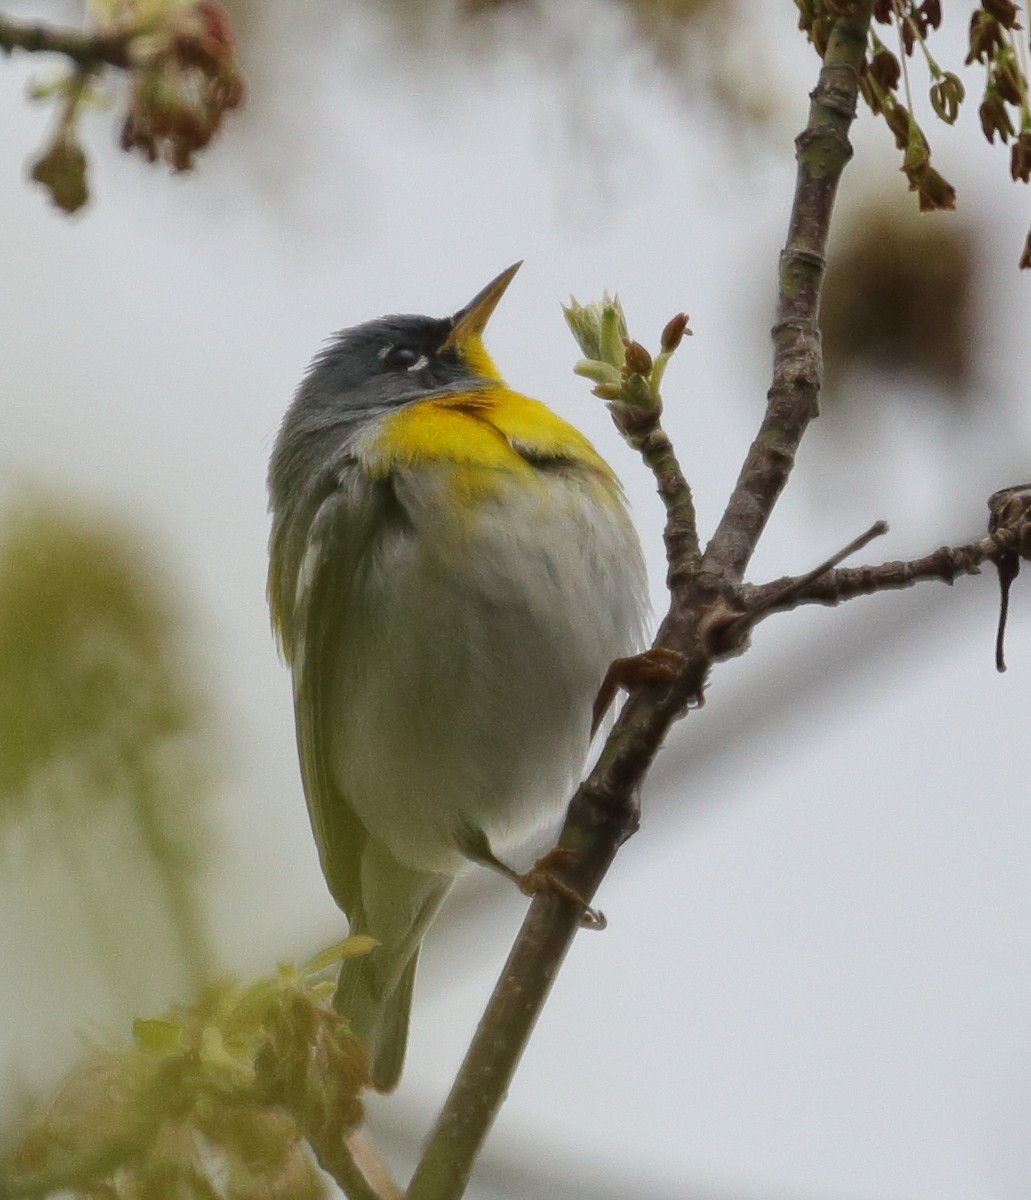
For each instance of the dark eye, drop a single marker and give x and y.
(401, 356)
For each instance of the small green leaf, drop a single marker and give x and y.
(157, 1036)
(613, 331)
(597, 372)
(350, 947)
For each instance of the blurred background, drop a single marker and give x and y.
(815, 981)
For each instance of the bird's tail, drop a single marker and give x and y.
(374, 991)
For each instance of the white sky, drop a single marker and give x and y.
(815, 981)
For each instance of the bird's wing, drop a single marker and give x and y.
(318, 597)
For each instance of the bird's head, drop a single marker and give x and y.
(396, 360)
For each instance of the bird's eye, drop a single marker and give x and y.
(403, 356)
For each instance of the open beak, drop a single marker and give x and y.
(471, 320)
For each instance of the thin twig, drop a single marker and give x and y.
(945, 565)
(645, 434)
(774, 600)
(333, 1154)
(87, 50)
(371, 1164)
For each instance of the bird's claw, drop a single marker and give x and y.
(657, 665)
(541, 877)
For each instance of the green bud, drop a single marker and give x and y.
(1008, 78)
(613, 331)
(900, 123)
(598, 328)
(918, 153)
(584, 323)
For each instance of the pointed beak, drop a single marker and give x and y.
(471, 320)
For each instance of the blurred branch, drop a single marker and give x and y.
(87, 50)
(604, 811)
(182, 81)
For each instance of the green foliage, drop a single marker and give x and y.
(218, 1099)
(86, 670)
(98, 709)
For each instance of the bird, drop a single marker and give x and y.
(452, 569)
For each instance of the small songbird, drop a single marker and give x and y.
(452, 570)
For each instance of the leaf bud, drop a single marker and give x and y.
(994, 118)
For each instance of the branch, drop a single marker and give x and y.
(834, 587)
(334, 1155)
(604, 811)
(87, 50)
(680, 533)
(822, 151)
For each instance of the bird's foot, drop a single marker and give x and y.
(541, 877)
(657, 665)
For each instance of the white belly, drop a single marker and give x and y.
(474, 652)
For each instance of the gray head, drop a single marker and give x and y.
(374, 367)
(385, 363)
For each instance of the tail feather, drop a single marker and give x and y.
(380, 1020)
(374, 991)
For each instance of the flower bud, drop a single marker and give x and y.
(994, 118)
(638, 360)
(885, 69)
(947, 95)
(61, 169)
(673, 334)
(1004, 11)
(1020, 157)
(985, 37)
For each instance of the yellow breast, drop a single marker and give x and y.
(481, 434)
